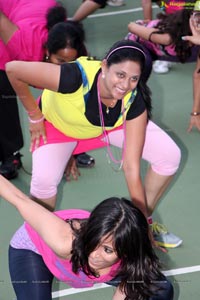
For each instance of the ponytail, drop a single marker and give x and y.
(55, 15)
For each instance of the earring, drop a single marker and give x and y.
(103, 75)
(46, 57)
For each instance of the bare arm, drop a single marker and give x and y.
(118, 295)
(195, 120)
(7, 28)
(147, 9)
(54, 231)
(85, 9)
(23, 74)
(135, 135)
(145, 32)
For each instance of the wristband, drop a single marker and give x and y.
(36, 121)
(195, 113)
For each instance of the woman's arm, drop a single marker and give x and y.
(22, 75)
(118, 295)
(195, 37)
(195, 113)
(7, 28)
(146, 33)
(54, 231)
(135, 136)
(86, 8)
(147, 9)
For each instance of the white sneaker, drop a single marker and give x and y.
(161, 66)
(115, 2)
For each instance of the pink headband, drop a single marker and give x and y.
(124, 47)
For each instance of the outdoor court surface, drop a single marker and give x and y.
(179, 207)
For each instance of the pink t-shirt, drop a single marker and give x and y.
(62, 268)
(27, 42)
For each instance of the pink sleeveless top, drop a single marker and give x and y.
(62, 268)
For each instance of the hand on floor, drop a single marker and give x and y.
(71, 170)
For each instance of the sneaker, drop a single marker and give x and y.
(116, 2)
(161, 66)
(9, 168)
(163, 237)
(83, 160)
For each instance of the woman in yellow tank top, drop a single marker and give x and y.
(87, 104)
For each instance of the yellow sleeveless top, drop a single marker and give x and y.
(67, 111)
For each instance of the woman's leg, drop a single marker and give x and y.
(30, 277)
(49, 162)
(164, 157)
(11, 138)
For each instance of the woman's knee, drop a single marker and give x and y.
(160, 150)
(168, 161)
(43, 187)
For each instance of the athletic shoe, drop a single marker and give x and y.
(163, 237)
(115, 2)
(161, 66)
(9, 168)
(83, 160)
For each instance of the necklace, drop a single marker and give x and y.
(111, 105)
(109, 154)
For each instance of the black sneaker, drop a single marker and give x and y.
(83, 160)
(9, 168)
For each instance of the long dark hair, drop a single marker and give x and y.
(129, 50)
(177, 25)
(139, 265)
(69, 34)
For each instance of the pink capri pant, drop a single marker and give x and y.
(50, 160)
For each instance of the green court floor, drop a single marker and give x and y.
(178, 209)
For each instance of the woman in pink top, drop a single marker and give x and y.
(109, 245)
(162, 37)
(24, 26)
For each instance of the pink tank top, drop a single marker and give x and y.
(62, 268)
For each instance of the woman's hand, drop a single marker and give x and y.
(71, 170)
(194, 122)
(195, 38)
(37, 131)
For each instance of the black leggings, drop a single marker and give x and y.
(11, 139)
(30, 277)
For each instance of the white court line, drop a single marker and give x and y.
(182, 271)
(119, 12)
(71, 291)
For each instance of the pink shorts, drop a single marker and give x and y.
(54, 136)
